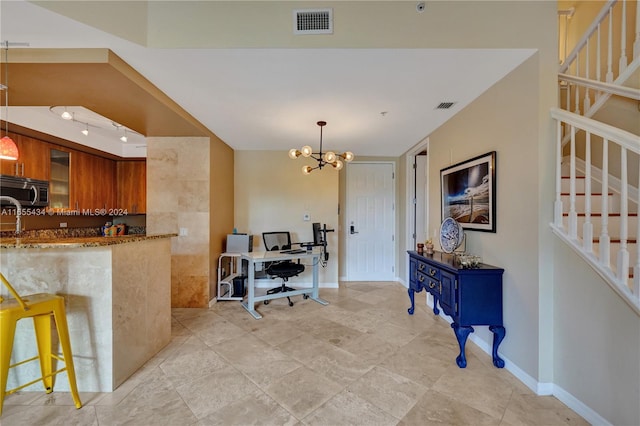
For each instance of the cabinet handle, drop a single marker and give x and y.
(432, 272)
(432, 284)
(421, 278)
(421, 266)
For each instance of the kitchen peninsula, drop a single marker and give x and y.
(118, 301)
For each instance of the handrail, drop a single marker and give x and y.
(588, 33)
(613, 89)
(606, 131)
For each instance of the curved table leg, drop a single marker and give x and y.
(412, 298)
(462, 332)
(498, 334)
(436, 311)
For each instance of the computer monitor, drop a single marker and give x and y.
(318, 239)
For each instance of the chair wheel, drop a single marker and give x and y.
(305, 296)
(290, 303)
(266, 302)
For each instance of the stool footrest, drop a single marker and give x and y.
(40, 379)
(24, 361)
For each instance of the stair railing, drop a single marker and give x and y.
(577, 67)
(595, 136)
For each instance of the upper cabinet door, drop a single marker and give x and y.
(93, 182)
(132, 186)
(33, 160)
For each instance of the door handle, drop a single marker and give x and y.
(352, 230)
(35, 194)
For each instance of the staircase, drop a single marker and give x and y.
(598, 154)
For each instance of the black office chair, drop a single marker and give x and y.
(281, 269)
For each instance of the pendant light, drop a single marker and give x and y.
(323, 159)
(8, 148)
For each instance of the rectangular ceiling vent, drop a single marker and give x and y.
(445, 105)
(313, 21)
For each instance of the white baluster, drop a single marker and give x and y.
(577, 88)
(587, 228)
(604, 240)
(587, 100)
(636, 268)
(573, 215)
(598, 56)
(558, 203)
(610, 50)
(623, 253)
(623, 39)
(636, 43)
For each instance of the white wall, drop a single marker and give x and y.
(272, 194)
(494, 123)
(597, 341)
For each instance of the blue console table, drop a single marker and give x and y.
(469, 296)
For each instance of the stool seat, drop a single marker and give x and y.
(41, 307)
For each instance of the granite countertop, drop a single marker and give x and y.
(76, 242)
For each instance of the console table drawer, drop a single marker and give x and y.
(428, 282)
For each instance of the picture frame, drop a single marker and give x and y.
(468, 191)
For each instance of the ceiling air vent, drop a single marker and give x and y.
(313, 21)
(445, 105)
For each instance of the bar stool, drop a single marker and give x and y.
(40, 307)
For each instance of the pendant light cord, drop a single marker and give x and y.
(6, 88)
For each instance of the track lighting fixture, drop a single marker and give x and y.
(66, 115)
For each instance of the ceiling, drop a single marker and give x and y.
(376, 101)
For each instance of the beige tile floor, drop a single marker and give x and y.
(361, 360)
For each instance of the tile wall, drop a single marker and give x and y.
(178, 201)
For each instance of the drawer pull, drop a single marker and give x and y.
(432, 284)
(432, 272)
(421, 278)
(421, 266)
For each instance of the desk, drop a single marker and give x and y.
(257, 257)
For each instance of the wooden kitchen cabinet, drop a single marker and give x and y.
(132, 186)
(92, 183)
(33, 160)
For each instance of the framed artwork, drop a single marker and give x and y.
(469, 193)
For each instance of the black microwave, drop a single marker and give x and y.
(28, 192)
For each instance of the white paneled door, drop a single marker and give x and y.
(370, 222)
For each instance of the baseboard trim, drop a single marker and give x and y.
(540, 388)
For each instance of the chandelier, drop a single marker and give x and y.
(323, 159)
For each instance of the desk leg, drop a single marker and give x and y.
(412, 296)
(462, 332)
(498, 335)
(315, 294)
(250, 304)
